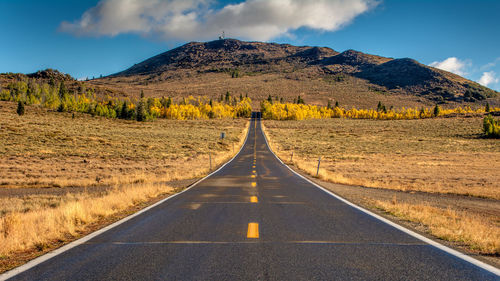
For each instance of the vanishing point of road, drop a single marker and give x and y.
(254, 219)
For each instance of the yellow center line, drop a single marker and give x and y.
(254, 199)
(253, 176)
(253, 166)
(254, 184)
(253, 230)
(254, 171)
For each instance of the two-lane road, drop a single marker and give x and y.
(254, 219)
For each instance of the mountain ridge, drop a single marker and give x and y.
(386, 75)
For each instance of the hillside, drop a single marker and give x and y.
(317, 73)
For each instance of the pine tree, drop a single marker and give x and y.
(336, 104)
(329, 105)
(379, 106)
(437, 110)
(487, 107)
(124, 111)
(20, 108)
(141, 111)
(228, 97)
(63, 91)
(241, 97)
(300, 100)
(270, 99)
(210, 103)
(142, 94)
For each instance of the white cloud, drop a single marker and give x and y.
(488, 78)
(490, 65)
(451, 64)
(197, 20)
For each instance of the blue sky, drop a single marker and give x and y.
(459, 36)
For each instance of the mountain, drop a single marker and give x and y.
(319, 73)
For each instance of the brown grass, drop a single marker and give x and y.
(48, 149)
(444, 155)
(481, 235)
(22, 231)
(125, 164)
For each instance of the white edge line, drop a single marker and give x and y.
(431, 242)
(34, 262)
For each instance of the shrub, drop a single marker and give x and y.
(20, 108)
(491, 127)
(437, 110)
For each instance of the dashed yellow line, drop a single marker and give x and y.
(253, 230)
(254, 184)
(254, 199)
(253, 166)
(255, 172)
(253, 176)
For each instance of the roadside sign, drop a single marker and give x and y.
(222, 135)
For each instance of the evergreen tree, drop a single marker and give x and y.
(142, 94)
(336, 104)
(63, 91)
(487, 107)
(300, 100)
(437, 110)
(141, 114)
(228, 97)
(270, 99)
(281, 100)
(241, 97)
(20, 108)
(124, 112)
(422, 112)
(329, 105)
(379, 106)
(210, 103)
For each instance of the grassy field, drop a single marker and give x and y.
(441, 157)
(62, 176)
(48, 149)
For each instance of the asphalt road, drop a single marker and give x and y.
(254, 220)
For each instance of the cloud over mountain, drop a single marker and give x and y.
(200, 20)
(488, 78)
(451, 64)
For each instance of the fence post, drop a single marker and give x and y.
(291, 158)
(319, 162)
(210, 160)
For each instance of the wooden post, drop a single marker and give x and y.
(319, 162)
(210, 160)
(291, 158)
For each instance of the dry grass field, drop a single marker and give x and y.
(443, 155)
(443, 160)
(49, 149)
(62, 176)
